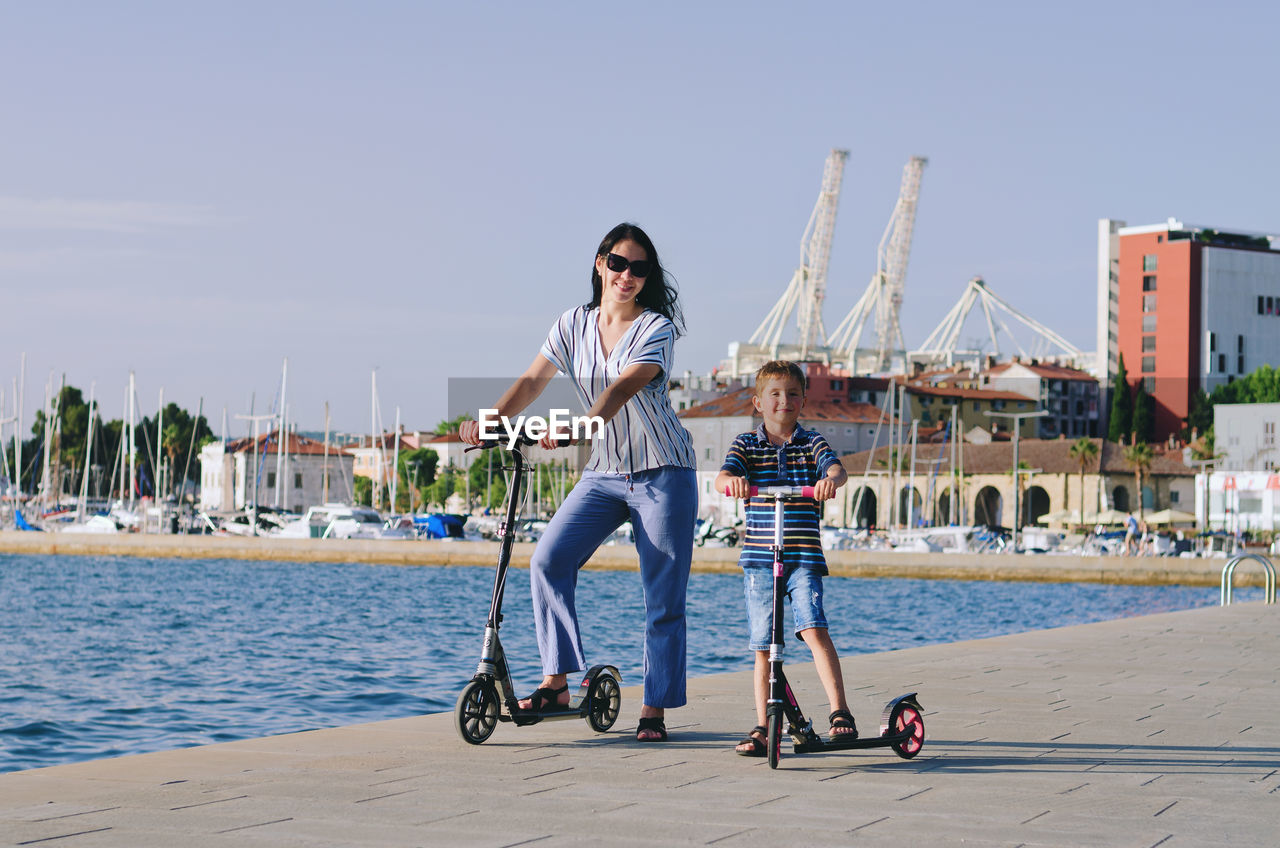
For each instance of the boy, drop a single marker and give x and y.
(781, 453)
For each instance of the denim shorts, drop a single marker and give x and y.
(804, 587)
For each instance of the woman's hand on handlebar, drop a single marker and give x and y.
(551, 441)
(469, 432)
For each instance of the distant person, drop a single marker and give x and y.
(617, 350)
(1130, 535)
(781, 453)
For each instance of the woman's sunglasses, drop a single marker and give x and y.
(618, 264)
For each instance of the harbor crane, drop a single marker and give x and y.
(883, 296)
(808, 284)
(940, 348)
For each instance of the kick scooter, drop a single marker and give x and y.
(901, 724)
(479, 709)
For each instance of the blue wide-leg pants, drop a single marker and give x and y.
(662, 505)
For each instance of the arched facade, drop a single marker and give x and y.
(987, 506)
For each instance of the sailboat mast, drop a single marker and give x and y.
(324, 482)
(88, 460)
(395, 461)
(282, 435)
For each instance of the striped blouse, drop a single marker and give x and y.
(802, 461)
(646, 432)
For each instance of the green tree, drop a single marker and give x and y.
(1084, 451)
(363, 495)
(488, 477)
(450, 425)
(1120, 424)
(1199, 417)
(445, 484)
(1144, 414)
(1139, 457)
(417, 470)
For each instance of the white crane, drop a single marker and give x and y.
(941, 346)
(883, 296)
(808, 284)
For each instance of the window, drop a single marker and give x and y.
(1148, 343)
(1149, 262)
(1222, 362)
(1149, 385)
(997, 404)
(1239, 344)
(1173, 496)
(1148, 323)
(297, 481)
(976, 406)
(1149, 282)
(1270, 306)
(1261, 309)
(1240, 364)
(1213, 342)
(1148, 303)
(271, 479)
(1148, 364)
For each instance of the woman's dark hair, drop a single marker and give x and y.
(659, 290)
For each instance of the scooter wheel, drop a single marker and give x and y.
(774, 738)
(606, 702)
(906, 718)
(477, 712)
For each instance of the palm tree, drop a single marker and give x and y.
(1083, 451)
(1139, 457)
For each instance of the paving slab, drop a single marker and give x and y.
(1152, 731)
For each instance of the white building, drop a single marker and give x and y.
(1245, 436)
(228, 474)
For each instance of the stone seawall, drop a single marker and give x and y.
(933, 566)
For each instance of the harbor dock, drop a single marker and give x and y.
(1134, 570)
(1151, 731)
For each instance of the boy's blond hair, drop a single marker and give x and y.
(780, 368)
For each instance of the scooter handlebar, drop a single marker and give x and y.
(521, 441)
(777, 491)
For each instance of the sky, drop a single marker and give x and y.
(196, 192)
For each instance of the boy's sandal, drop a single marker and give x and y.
(544, 699)
(652, 723)
(842, 719)
(759, 747)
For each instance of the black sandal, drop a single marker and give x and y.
(655, 724)
(842, 718)
(758, 745)
(546, 700)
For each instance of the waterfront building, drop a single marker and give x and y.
(228, 474)
(983, 488)
(1188, 307)
(1070, 396)
(1244, 436)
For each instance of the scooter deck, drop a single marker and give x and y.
(526, 717)
(837, 744)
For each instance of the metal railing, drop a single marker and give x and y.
(1229, 569)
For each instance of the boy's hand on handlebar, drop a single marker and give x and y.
(824, 489)
(737, 487)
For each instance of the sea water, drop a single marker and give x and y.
(104, 656)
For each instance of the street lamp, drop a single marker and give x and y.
(1017, 428)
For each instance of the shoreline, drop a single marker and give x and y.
(1049, 568)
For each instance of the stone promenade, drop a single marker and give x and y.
(1153, 731)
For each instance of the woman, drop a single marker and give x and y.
(617, 349)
